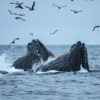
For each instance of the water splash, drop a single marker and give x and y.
(6, 66)
(35, 66)
(82, 70)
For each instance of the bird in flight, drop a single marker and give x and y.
(31, 34)
(54, 32)
(31, 8)
(13, 42)
(97, 26)
(19, 14)
(19, 5)
(10, 12)
(12, 3)
(59, 7)
(74, 11)
(20, 18)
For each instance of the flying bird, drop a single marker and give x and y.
(19, 5)
(13, 42)
(97, 26)
(10, 12)
(31, 34)
(59, 7)
(20, 18)
(74, 11)
(54, 32)
(19, 14)
(12, 3)
(31, 8)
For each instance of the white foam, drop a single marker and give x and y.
(6, 66)
(35, 66)
(83, 70)
(51, 71)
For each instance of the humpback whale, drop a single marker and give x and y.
(71, 61)
(35, 52)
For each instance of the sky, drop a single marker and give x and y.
(46, 18)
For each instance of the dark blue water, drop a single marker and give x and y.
(20, 85)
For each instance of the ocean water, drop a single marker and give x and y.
(52, 85)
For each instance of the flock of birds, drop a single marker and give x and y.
(32, 8)
(20, 6)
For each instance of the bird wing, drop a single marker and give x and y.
(94, 28)
(33, 5)
(27, 7)
(17, 38)
(21, 3)
(72, 10)
(10, 11)
(64, 6)
(55, 5)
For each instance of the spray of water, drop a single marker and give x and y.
(6, 66)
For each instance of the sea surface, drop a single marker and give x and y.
(52, 85)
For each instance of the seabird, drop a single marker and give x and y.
(20, 18)
(19, 5)
(59, 7)
(13, 42)
(74, 11)
(10, 12)
(54, 32)
(19, 14)
(31, 34)
(31, 8)
(97, 26)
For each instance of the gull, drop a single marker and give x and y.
(97, 26)
(19, 14)
(59, 7)
(12, 3)
(13, 42)
(10, 12)
(31, 8)
(54, 32)
(31, 34)
(19, 5)
(74, 11)
(20, 18)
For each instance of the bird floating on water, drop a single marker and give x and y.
(97, 26)
(74, 11)
(54, 32)
(31, 8)
(59, 7)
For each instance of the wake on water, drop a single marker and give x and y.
(7, 66)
